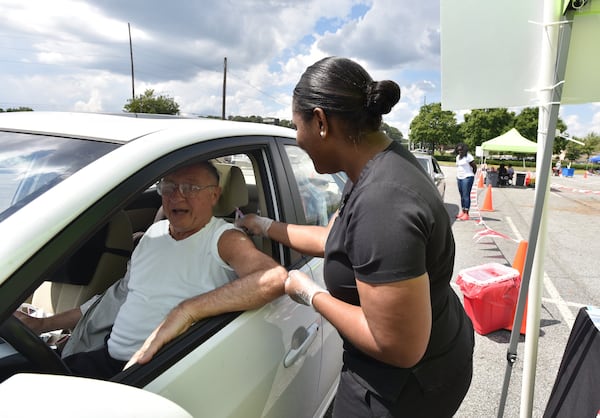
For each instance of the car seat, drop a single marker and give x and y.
(234, 192)
(96, 265)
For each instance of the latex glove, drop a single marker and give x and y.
(254, 224)
(301, 288)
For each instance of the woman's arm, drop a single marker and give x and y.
(306, 239)
(473, 166)
(393, 323)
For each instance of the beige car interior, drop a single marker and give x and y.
(105, 256)
(101, 262)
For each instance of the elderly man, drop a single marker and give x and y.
(191, 253)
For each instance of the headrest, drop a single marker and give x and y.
(234, 192)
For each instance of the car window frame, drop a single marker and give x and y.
(27, 278)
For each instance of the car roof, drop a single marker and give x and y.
(124, 127)
(156, 137)
(423, 155)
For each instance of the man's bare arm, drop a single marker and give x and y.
(64, 320)
(261, 280)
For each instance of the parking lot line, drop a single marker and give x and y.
(555, 298)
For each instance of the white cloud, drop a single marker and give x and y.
(74, 55)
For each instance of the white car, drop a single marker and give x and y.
(73, 189)
(432, 167)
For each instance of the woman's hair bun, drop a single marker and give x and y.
(381, 96)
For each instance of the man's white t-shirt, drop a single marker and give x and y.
(463, 166)
(164, 272)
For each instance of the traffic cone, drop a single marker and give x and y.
(518, 264)
(480, 181)
(527, 178)
(519, 260)
(487, 201)
(585, 174)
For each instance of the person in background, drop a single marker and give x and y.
(389, 254)
(502, 175)
(465, 175)
(556, 168)
(511, 173)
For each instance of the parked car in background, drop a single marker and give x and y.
(74, 188)
(432, 167)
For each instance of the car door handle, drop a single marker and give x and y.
(302, 339)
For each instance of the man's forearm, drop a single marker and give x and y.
(248, 292)
(64, 320)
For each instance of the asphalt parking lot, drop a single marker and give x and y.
(570, 277)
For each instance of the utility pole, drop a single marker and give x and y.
(131, 55)
(224, 86)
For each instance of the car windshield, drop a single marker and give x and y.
(423, 162)
(31, 164)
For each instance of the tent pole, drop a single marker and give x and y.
(547, 123)
(555, 65)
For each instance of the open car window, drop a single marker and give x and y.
(320, 193)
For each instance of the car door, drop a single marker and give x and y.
(264, 362)
(438, 177)
(320, 196)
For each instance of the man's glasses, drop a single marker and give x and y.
(168, 188)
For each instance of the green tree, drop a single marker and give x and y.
(17, 109)
(592, 144)
(434, 126)
(253, 118)
(393, 133)
(526, 122)
(481, 125)
(573, 151)
(149, 103)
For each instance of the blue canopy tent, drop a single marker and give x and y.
(595, 159)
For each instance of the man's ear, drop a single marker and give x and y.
(216, 194)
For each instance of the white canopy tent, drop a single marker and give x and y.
(515, 53)
(511, 141)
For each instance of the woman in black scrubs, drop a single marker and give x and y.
(389, 254)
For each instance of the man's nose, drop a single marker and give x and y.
(176, 196)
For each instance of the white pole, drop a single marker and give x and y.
(547, 120)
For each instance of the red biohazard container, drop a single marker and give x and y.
(490, 294)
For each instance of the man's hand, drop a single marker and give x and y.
(33, 323)
(175, 324)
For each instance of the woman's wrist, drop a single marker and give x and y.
(264, 225)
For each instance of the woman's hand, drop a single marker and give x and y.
(254, 224)
(302, 288)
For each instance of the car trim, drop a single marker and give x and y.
(139, 375)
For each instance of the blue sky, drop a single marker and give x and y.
(74, 55)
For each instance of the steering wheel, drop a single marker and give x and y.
(36, 351)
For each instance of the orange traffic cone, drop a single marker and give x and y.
(487, 201)
(585, 174)
(518, 264)
(519, 260)
(527, 178)
(480, 181)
